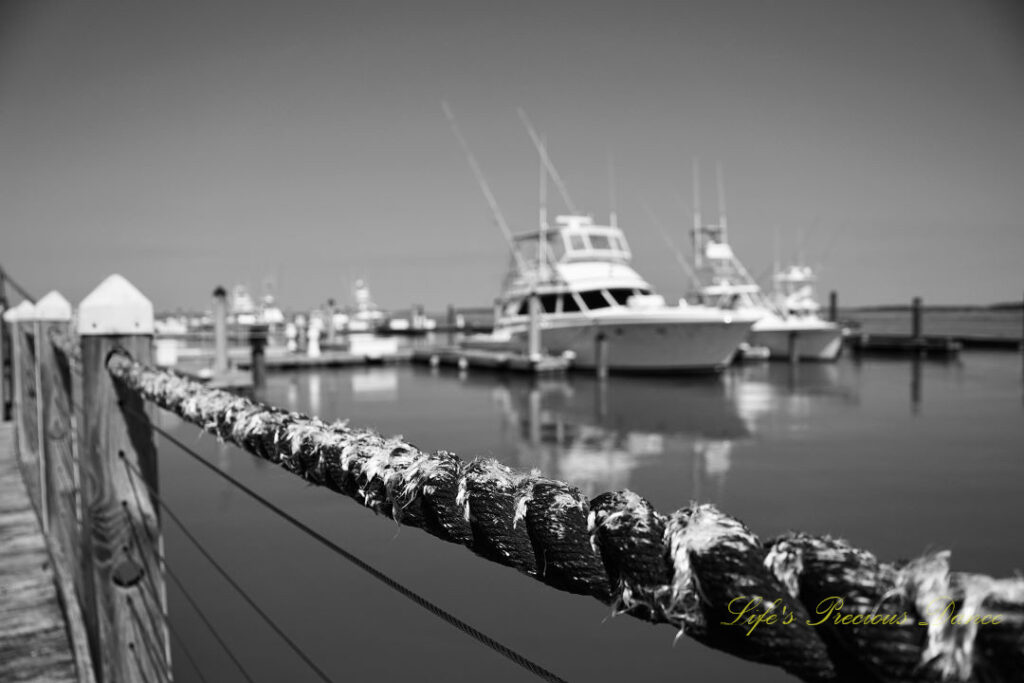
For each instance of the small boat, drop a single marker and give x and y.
(788, 324)
(590, 301)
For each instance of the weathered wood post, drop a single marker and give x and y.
(4, 393)
(451, 324)
(601, 355)
(793, 352)
(23, 383)
(121, 542)
(833, 306)
(533, 338)
(257, 344)
(220, 331)
(5, 349)
(915, 318)
(52, 314)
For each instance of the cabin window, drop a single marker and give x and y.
(576, 242)
(569, 304)
(547, 302)
(522, 307)
(621, 296)
(594, 299)
(600, 242)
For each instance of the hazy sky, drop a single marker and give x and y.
(193, 143)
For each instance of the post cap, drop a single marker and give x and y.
(115, 307)
(54, 307)
(220, 292)
(23, 311)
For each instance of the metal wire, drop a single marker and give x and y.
(437, 611)
(227, 577)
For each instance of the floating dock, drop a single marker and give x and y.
(904, 345)
(491, 360)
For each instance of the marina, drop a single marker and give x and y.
(304, 377)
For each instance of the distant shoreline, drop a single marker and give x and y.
(1005, 306)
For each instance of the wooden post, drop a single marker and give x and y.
(257, 343)
(451, 324)
(52, 313)
(4, 393)
(793, 349)
(22, 380)
(833, 306)
(122, 546)
(533, 338)
(915, 318)
(220, 331)
(5, 389)
(601, 355)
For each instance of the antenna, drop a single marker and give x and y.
(696, 213)
(484, 187)
(721, 199)
(542, 243)
(546, 160)
(671, 245)
(613, 214)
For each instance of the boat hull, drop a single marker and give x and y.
(817, 342)
(635, 344)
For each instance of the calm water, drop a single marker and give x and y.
(897, 458)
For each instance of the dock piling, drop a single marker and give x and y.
(533, 341)
(257, 345)
(915, 318)
(833, 306)
(220, 331)
(601, 355)
(793, 352)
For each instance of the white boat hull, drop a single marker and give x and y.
(634, 343)
(817, 340)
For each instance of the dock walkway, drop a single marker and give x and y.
(34, 643)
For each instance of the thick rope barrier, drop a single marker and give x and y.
(817, 607)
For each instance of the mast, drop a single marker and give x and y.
(542, 243)
(547, 161)
(613, 214)
(696, 214)
(484, 187)
(719, 179)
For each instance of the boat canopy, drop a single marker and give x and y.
(574, 238)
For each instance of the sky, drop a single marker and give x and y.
(197, 143)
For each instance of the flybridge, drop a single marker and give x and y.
(575, 238)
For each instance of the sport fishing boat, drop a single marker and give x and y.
(790, 318)
(590, 301)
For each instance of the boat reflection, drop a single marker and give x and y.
(599, 435)
(596, 434)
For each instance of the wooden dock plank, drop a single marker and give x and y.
(33, 633)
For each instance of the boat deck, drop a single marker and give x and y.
(34, 643)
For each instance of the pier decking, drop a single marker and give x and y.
(33, 636)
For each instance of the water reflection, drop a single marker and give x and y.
(596, 434)
(599, 434)
(375, 384)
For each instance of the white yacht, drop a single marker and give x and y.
(590, 296)
(724, 282)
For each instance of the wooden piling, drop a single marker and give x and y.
(257, 344)
(4, 393)
(533, 339)
(915, 318)
(601, 355)
(220, 331)
(833, 306)
(793, 349)
(122, 545)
